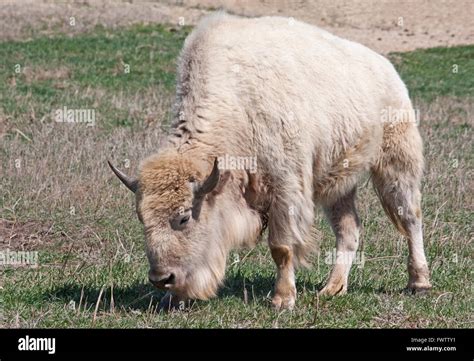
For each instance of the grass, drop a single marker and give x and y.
(63, 201)
(105, 67)
(435, 72)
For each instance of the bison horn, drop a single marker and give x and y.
(211, 182)
(207, 186)
(129, 182)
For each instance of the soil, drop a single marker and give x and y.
(383, 25)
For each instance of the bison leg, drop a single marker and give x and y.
(285, 290)
(400, 198)
(290, 237)
(345, 223)
(396, 178)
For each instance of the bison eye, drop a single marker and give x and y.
(179, 221)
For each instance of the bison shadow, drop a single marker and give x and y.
(139, 295)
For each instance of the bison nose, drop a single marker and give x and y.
(162, 281)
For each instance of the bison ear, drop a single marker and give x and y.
(129, 182)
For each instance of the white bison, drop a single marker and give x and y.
(273, 117)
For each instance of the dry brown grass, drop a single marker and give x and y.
(63, 173)
(55, 175)
(40, 74)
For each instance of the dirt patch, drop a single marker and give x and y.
(41, 74)
(24, 236)
(23, 19)
(83, 243)
(382, 25)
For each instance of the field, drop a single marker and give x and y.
(59, 198)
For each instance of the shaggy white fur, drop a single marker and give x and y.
(316, 111)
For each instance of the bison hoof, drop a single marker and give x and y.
(283, 302)
(333, 289)
(171, 302)
(417, 290)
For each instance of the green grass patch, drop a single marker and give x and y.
(85, 71)
(429, 73)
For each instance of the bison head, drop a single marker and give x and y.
(193, 214)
